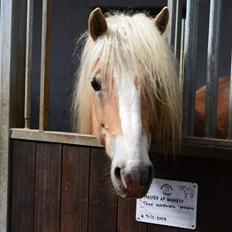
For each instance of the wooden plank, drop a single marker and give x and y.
(102, 199)
(18, 44)
(199, 171)
(192, 146)
(221, 196)
(55, 137)
(48, 178)
(159, 228)
(5, 77)
(22, 186)
(190, 170)
(11, 98)
(162, 169)
(208, 142)
(75, 189)
(204, 152)
(126, 217)
(45, 64)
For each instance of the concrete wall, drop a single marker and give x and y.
(70, 20)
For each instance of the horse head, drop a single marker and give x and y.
(127, 94)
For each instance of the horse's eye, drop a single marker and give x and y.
(96, 84)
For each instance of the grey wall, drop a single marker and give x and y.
(70, 21)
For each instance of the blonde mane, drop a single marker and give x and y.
(133, 43)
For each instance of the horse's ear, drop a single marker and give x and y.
(161, 20)
(97, 23)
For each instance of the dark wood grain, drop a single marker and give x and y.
(161, 228)
(22, 186)
(163, 165)
(102, 199)
(221, 196)
(164, 168)
(48, 178)
(74, 193)
(75, 188)
(199, 171)
(126, 217)
(190, 170)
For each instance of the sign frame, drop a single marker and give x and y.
(169, 203)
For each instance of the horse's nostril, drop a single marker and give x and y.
(146, 175)
(117, 173)
(132, 180)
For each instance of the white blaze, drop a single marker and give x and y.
(131, 147)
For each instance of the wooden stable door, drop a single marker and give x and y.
(66, 188)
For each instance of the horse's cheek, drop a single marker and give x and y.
(97, 122)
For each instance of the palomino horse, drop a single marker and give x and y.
(128, 94)
(222, 109)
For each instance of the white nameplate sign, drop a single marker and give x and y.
(169, 203)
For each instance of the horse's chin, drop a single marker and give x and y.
(124, 193)
(129, 192)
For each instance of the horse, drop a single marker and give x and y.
(127, 94)
(222, 116)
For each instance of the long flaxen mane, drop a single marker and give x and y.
(133, 44)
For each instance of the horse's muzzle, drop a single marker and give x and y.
(133, 182)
